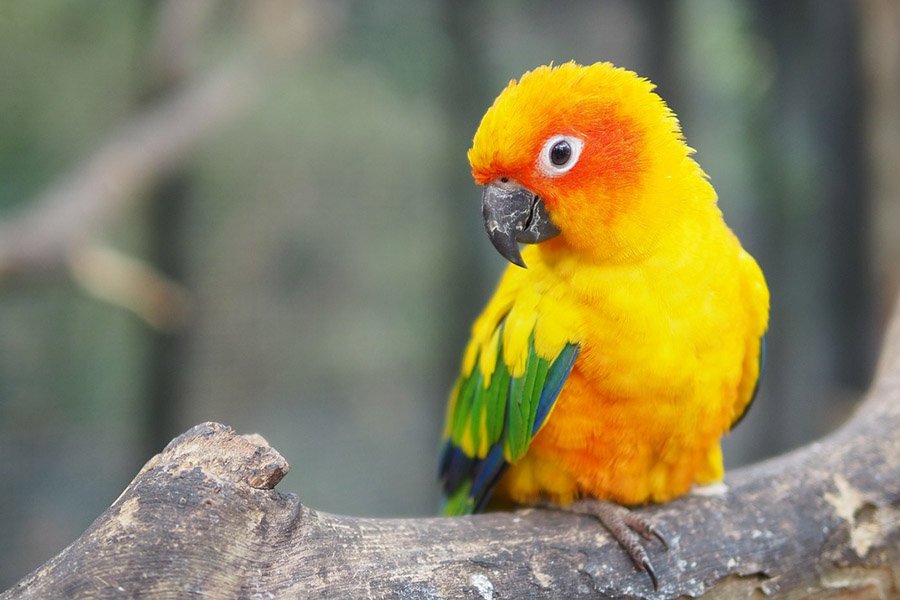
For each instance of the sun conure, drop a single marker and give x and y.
(612, 365)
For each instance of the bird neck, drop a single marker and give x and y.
(653, 218)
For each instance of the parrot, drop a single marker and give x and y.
(626, 337)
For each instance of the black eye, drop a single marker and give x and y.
(560, 153)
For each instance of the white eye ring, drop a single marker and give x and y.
(549, 160)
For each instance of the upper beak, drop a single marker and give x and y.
(513, 214)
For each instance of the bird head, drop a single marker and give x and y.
(588, 157)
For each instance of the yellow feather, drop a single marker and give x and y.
(488, 361)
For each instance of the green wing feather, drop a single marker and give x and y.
(492, 420)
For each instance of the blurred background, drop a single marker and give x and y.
(261, 214)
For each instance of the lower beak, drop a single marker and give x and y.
(512, 215)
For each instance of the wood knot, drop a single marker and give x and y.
(220, 453)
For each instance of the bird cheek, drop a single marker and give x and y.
(555, 204)
(547, 189)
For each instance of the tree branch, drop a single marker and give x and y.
(44, 235)
(203, 517)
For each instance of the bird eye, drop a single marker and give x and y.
(559, 154)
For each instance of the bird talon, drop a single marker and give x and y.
(626, 528)
(647, 567)
(644, 527)
(660, 536)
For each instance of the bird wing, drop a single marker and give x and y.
(756, 378)
(493, 416)
(756, 296)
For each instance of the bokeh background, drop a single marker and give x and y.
(261, 214)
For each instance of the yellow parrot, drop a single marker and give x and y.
(607, 371)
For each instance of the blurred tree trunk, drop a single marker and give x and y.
(810, 148)
(464, 97)
(661, 50)
(846, 194)
(880, 44)
(175, 28)
(167, 357)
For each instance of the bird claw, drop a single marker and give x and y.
(648, 567)
(625, 527)
(644, 527)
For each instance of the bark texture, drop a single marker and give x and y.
(203, 518)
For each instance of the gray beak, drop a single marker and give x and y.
(513, 215)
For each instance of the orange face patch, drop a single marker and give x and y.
(608, 169)
(590, 103)
(630, 146)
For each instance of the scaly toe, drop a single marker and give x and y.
(644, 527)
(625, 527)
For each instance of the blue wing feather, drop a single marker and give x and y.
(556, 377)
(455, 467)
(486, 475)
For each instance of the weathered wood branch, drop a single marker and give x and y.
(203, 518)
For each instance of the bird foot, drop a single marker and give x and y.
(626, 527)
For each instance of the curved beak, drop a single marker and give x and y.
(512, 215)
